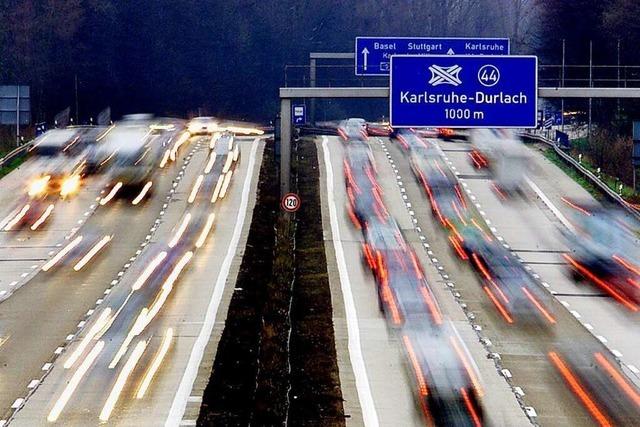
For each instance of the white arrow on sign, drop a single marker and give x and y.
(365, 53)
(450, 52)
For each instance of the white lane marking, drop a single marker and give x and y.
(369, 414)
(186, 383)
(549, 204)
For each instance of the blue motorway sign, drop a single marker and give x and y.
(464, 91)
(299, 114)
(373, 54)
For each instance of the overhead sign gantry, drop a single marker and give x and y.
(373, 54)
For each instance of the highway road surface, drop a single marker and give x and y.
(374, 378)
(122, 339)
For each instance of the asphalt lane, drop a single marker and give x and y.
(387, 377)
(197, 303)
(23, 251)
(530, 229)
(47, 312)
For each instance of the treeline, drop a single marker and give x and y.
(179, 56)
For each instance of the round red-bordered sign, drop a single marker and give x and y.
(290, 202)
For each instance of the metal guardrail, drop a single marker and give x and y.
(604, 188)
(20, 151)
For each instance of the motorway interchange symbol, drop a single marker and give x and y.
(445, 75)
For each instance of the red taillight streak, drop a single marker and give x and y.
(618, 378)
(467, 365)
(539, 306)
(499, 306)
(455, 208)
(579, 390)
(354, 218)
(626, 264)
(459, 193)
(416, 266)
(470, 408)
(368, 256)
(499, 192)
(502, 295)
(576, 207)
(422, 385)
(403, 142)
(388, 297)
(481, 266)
(440, 169)
(461, 253)
(633, 283)
(433, 308)
(619, 297)
(482, 230)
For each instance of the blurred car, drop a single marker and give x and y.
(132, 151)
(605, 249)
(446, 379)
(202, 126)
(440, 184)
(57, 141)
(403, 293)
(353, 129)
(363, 191)
(378, 129)
(504, 153)
(598, 382)
(509, 286)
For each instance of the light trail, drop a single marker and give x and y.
(155, 365)
(167, 286)
(470, 408)
(183, 226)
(17, 218)
(618, 378)
(213, 140)
(111, 194)
(467, 365)
(122, 380)
(499, 306)
(165, 158)
(212, 159)
(143, 193)
(216, 191)
(228, 162)
(579, 390)
(225, 184)
(422, 385)
(147, 271)
(181, 140)
(6, 220)
(206, 230)
(147, 314)
(133, 332)
(195, 189)
(102, 320)
(539, 306)
(42, 218)
(73, 383)
(89, 255)
(62, 253)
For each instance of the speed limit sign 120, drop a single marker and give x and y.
(290, 202)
